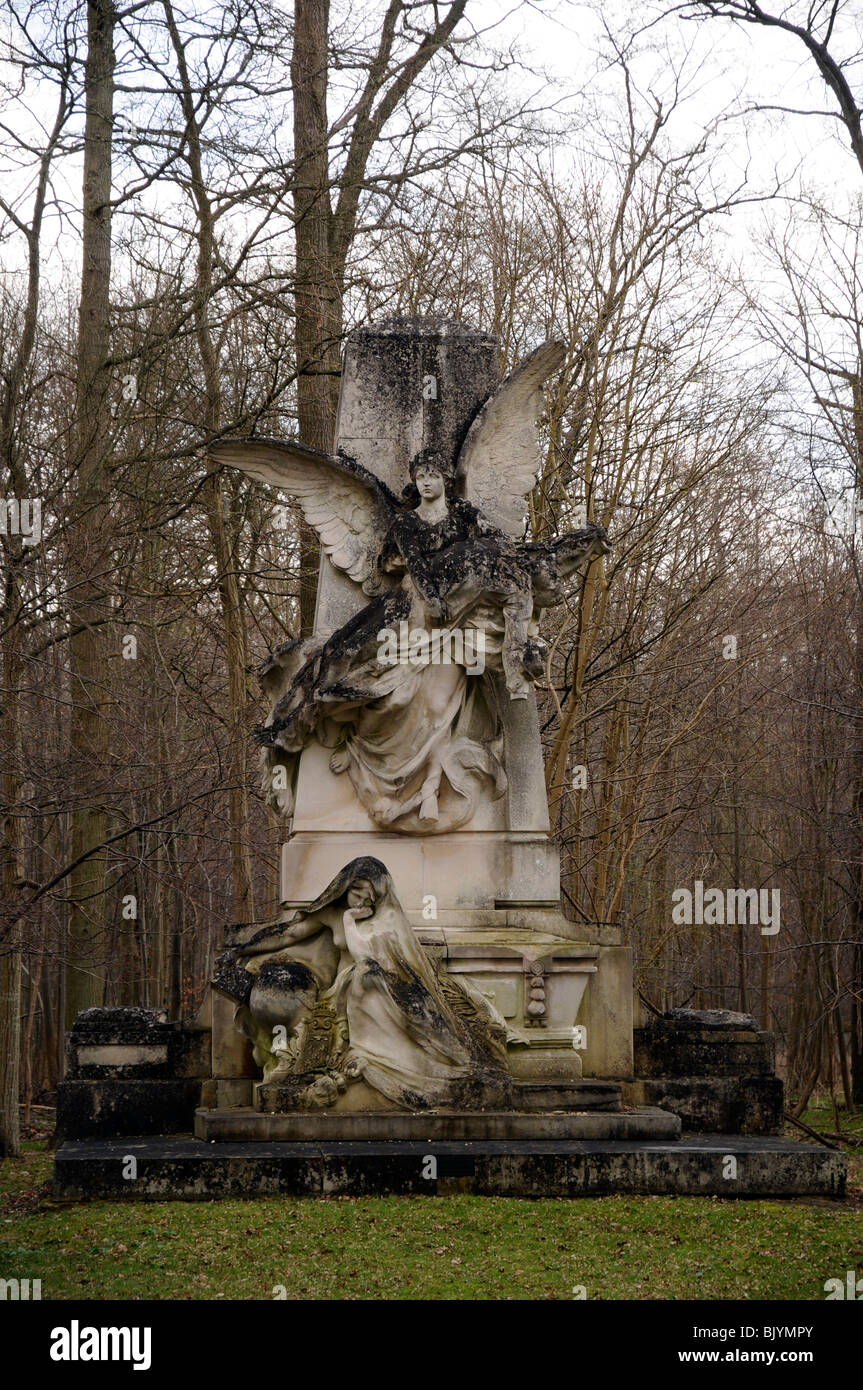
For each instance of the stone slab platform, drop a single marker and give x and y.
(314, 1126)
(583, 1094)
(184, 1169)
(526, 1095)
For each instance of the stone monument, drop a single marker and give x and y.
(421, 914)
(421, 1013)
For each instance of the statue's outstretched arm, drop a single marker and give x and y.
(273, 938)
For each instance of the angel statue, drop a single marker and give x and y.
(406, 693)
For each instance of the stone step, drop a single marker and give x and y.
(187, 1170)
(567, 1095)
(314, 1126)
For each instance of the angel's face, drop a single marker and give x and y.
(429, 483)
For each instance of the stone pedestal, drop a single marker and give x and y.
(131, 1071)
(713, 1068)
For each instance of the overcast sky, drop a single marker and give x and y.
(727, 67)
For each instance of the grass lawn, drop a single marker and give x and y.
(458, 1247)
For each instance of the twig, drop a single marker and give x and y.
(813, 1133)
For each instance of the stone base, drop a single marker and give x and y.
(131, 1071)
(187, 1170)
(314, 1126)
(716, 1104)
(103, 1109)
(218, 1094)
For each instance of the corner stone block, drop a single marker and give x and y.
(109, 1109)
(606, 1012)
(231, 1052)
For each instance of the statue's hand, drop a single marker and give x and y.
(437, 611)
(234, 955)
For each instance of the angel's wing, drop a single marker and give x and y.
(500, 458)
(349, 507)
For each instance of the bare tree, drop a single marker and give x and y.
(823, 28)
(345, 163)
(17, 557)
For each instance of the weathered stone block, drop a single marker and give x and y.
(671, 1047)
(109, 1108)
(717, 1104)
(130, 1043)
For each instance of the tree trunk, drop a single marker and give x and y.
(223, 542)
(10, 847)
(317, 296)
(88, 555)
(12, 665)
(856, 986)
(10, 1046)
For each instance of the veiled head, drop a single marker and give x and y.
(364, 882)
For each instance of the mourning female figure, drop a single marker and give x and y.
(343, 991)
